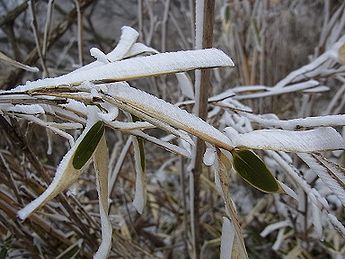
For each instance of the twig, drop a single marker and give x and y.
(38, 45)
(47, 27)
(80, 32)
(164, 24)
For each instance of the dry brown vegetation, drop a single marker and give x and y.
(266, 39)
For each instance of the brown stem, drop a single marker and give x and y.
(202, 113)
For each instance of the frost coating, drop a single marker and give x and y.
(99, 55)
(209, 156)
(65, 175)
(320, 139)
(21, 108)
(164, 111)
(138, 67)
(227, 239)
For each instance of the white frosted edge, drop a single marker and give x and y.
(65, 175)
(288, 190)
(326, 178)
(308, 122)
(27, 109)
(120, 50)
(140, 49)
(60, 172)
(164, 111)
(315, 140)
(227, 239)
(138, 67)
(337, 224)
(99, 55)
(128, 37)
(185, 84)
(277, 90)
(209, 156)
(272, 227)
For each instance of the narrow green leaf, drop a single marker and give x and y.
(3, 253)
(88, 145)
(253, 170)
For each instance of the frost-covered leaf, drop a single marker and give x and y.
(315, 140)
(138, 67)
(253, 170)
(152, 109)
(139, 49)
(127, 40)
(209, 156)
(332, 175)
(66, 174)
(101, 163)
(88, 145)
(24, 109)
(185, 84)
(227, 239)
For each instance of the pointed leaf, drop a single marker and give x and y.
(88, 145)
(101, 164)
(253, 170)
(66, 174)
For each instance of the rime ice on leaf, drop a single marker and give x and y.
(139, 67)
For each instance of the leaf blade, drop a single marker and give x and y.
(88, 145)
(252, 169)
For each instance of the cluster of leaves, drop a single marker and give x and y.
(92, 96)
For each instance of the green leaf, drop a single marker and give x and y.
(253, 170)
(3, 253)
(88, 145)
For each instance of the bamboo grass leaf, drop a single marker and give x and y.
(66, 174)
(138, 67)
(253, 170)
(88, 145)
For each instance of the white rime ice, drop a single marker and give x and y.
(315, 140)
(167, 112)
(99, 55)
(331, 180)
(138, 67)
(21, 108)
(65, 175)
(209, 156)
(227, 239)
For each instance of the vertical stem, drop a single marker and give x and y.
(201, 88)
(80, 32)
(164, 25)
(38, 45)
(47, 27)
(140, 20)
